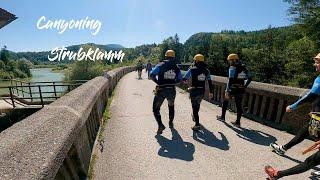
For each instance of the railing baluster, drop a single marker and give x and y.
(54, 89)
(11, 97)
(40, 95)
(22, 88)
(17, 87)
(30, 93)
(280, 111)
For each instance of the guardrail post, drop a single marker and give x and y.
(22, 89)
(263, 106)
(280, 111)
(54, 89)
(17, 88)
(30, 93)
(40, 95)
(270, 109)
(11, 97)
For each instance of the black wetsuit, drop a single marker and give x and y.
(239, 79)
(166, 74)
(199, 74)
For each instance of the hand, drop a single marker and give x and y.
(210, 95)
(184, 82)
(227, 96)
(288, 109)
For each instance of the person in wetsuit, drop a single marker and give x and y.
(166, 75)
(310, 128)
(239, 79)
(199, 74)
(139, 68)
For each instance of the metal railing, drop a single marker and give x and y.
(35, 93)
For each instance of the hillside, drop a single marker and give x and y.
(43, 56)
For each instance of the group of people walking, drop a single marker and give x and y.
(167, 75)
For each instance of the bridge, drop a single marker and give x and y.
(72, 138)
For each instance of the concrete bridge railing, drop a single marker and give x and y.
(266, 102)
(56, 142)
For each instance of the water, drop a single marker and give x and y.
(39, 75)
(45, 74)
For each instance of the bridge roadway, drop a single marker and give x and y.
(133, 151)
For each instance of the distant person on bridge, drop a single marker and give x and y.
(311, 128)
(166, 75)
(148, 68)
(199, 74)
(239, 79)
(139, 68)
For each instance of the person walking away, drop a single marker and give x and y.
(199, 74)
(166, 75)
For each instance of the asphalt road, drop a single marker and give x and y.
(220, 151)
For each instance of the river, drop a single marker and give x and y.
(38, 75)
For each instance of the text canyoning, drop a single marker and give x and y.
(62, 25)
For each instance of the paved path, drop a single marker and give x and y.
(220, 151)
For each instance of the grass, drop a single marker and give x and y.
(92, 162)
(106, 117)
(104, 121)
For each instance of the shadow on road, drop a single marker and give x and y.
(253, 136)
(206, 137)
(175, 148)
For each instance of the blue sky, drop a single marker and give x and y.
(135, 22)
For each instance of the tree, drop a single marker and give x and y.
(174, 44)
(4, 55)
(299, 66)
(24, 67)
(85, 69)
(307, 14)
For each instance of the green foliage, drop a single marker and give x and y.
(84, 70)
(307, 13)
(23, 66)
(2, 65)
(13, 68)
(174, 44)
(4, 55)
(299, 66)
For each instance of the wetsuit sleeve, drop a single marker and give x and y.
(210, 82)
(249, 78)
(313, 93)
(232, 74)
(187, 75)
(154, 72)
(307, 98)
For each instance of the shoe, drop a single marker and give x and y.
(315, 173)
(171, 124)
(272, 173)
(160, 129)
(277, 149)
(220, 118)
(235, 123)
(196, 128)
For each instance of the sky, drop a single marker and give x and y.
(134, 22)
